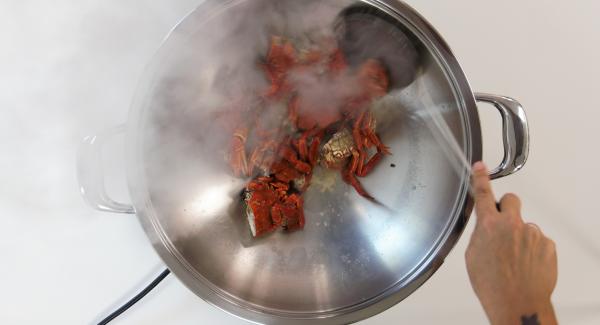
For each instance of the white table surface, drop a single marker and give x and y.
(68, 68)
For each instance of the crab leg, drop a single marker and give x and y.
(356, 132)
(303, 146)
(255, 159)
(354, 162)
(372, 163)
(377, 142)
(350, 178)
(368, 143)
(290, 155)
(313, 154)
(238, 159)
(367, 129)
(307, 153)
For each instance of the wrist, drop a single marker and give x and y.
(522, 313)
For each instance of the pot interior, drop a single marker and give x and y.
(351, 251)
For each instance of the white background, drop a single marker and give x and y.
(68, 68)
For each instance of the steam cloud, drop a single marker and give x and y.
(210, 67)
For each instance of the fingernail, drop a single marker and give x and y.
(479, 167)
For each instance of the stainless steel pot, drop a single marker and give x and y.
(353, 259)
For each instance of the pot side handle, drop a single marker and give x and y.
(90, 173)
(515, 133)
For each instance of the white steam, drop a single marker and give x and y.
(209, 71)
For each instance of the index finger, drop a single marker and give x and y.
(485, 201)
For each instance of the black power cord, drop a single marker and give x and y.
(135, 299)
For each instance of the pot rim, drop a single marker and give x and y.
(440, 50)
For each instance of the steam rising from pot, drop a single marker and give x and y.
(211, 66)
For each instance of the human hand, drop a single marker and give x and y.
(511, 264)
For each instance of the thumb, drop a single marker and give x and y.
(485, 202)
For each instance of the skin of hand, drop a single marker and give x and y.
(511, 264)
